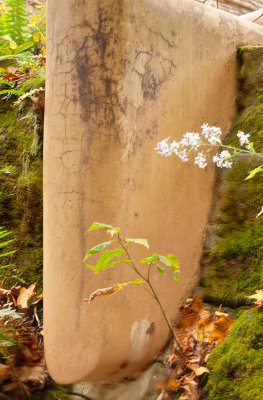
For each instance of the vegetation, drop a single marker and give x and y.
(237, 258)
(236, 365)
(21, 140)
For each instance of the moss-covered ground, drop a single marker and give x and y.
(236, 365)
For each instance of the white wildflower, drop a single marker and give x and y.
(191, 139)
(200, 160)
(183, 155)
(221, 159)
(163, 148)
(243, 139)
(174, 147)
(212, 134)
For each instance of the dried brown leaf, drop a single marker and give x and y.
(25, 295)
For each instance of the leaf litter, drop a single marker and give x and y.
(198, 331)
(22, 366)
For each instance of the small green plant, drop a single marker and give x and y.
(4, 242)
(120, 255)
(14, 32)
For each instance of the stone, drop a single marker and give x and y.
(121, 76)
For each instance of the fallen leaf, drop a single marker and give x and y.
(169, 384)
(198, 371)
(112, 289)
(257, 296)
(222, 327)
(25, 295)
(190, 313)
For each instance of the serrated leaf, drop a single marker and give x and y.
(97, 249)
(112, 289)
(143, 242)
(149, 260)
(160, 269)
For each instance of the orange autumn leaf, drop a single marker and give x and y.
(190, 313)
(25, 295)
(169, 384)
(222, 327)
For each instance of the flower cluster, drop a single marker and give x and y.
(208, 138)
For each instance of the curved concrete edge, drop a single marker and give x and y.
(255, 16)
(121, 76)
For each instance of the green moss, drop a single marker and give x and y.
(35, 82)
(237, 258)
(21, 133)
(236, 266)
(236, 365)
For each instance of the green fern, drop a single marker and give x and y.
(13, 23)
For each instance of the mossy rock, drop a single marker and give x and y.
(236, 365)
(235, 258)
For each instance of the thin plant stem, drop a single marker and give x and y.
(153, 294)
(226, 146)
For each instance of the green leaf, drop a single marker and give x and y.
(165, 260)
(97, 249)
(149, 260)
(254, 172)
(8, 253)
(89, 266)
(108, 255)
(175, 266)
(112, 264)
(160, 269)
(98, 225)
(4, 244)
(171, 261)
(143, 242)
(9, 312)
(23, 47)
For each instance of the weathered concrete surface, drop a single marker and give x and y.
(255, 16)
(121, 76)
(237, 7)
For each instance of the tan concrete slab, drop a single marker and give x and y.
(121, 76)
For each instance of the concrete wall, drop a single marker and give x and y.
(237, 7)
(121, 76)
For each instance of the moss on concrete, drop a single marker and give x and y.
(236, 365)
(21, 133)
